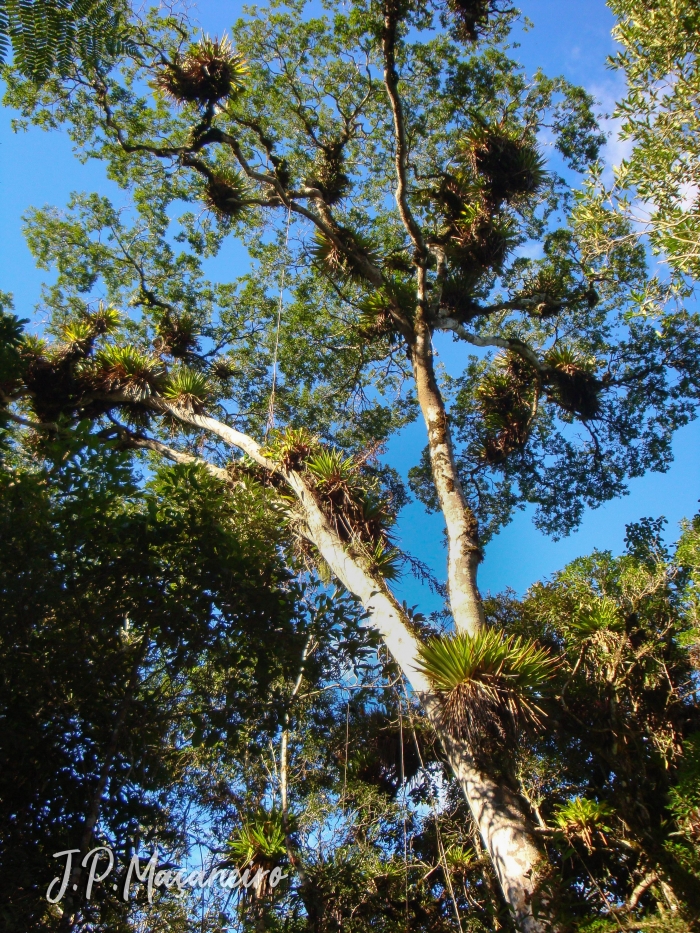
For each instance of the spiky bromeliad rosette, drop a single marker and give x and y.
(489, 683)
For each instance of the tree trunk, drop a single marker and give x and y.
(501, 816)
(463, 553)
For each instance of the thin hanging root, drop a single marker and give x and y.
(271, 405)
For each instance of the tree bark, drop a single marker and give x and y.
(462, 533)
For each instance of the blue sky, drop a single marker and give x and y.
(571, 38)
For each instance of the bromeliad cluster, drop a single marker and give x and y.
(209, 72)
(348, 496)
(78, 375)
(498, 170)
(259, 847)
(509, 394)
(489, 683)
(209, 75)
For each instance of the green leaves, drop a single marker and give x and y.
(225, 193)
(332, 470)
(11, 332)
(49, 36)
(132, 617)
(128, 368)
(488, 682)
(292, 448)
(260, 842)
(584, 820)
(187, 388)
(507, 396)
(344, 256)
(574, 385)
(660, 58)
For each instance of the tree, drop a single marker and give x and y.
(144, 703)
(615, 782)
(658, 184)
(126, 615)
(404, 160)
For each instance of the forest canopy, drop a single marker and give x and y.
(202, 646)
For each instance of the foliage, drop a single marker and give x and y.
(615, 776)
(486, 190)
(209, 71)
(385, 178)
(116, 602)
(489, 683)
(187, 388)
(661, 62)
(48, 35)
(583, 819)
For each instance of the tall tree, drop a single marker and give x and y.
(385, 160)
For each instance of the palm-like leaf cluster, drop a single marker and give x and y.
(376, 319)
(507, 398)
(584, 820)
(506, 165)
(359, 517)
(210, 71)
(187, 388)
(292, 448)
(498, 169)
(128, 369)
(460, 858)
(177, 335)
(344, 259)
(104, 320)
(573, 384)
(260, 845)
(489, 683)
(225, 194)
(77, 333)
(472, 16)
(356, 512)
(327, 174)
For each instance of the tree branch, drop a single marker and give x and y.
(391, 81)
(26, 423)
(138, 442)
(640, 890)
(513, 344)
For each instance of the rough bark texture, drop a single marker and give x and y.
(462, 533)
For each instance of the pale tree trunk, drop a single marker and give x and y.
(462, 533)
(500, 815)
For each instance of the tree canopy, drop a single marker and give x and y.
(383, 165)
(659, 59)
(50, 36)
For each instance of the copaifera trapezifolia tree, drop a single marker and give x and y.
(383, 165)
